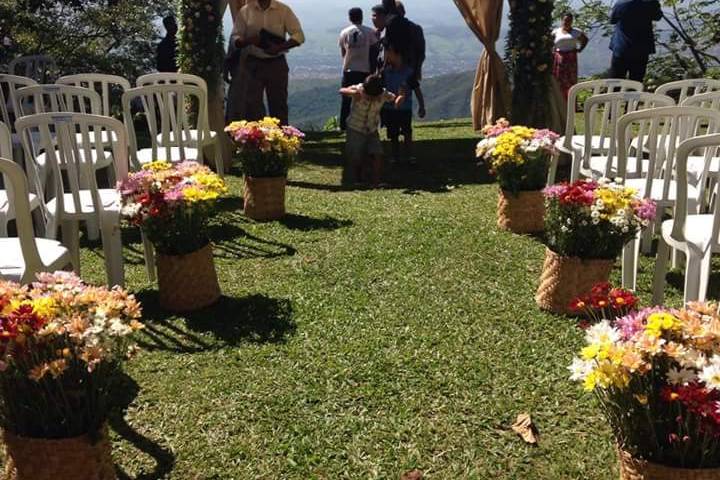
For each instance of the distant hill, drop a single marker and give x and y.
(313, 102)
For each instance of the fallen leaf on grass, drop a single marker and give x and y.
(524, 427)
(412, 475)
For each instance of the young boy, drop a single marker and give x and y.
(363, 148)
(398, 121)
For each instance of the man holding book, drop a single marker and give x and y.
(268, 29)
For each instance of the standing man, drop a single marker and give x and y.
(418, 40)
(355, 43)
(263, 26)
(634, 38)
(167, 48)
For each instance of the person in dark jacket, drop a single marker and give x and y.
(167, 48)
(634, 38)
(404, 37)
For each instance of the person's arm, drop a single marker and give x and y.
(341, 44)
(292, 28)
(238, 35)
(421, 102)
(583, 41)
(350, 91)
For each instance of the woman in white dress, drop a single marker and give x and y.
(569, 42)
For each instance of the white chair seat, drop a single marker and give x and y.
(598, 164)
(579, 141)
(698, 231)
(104, 137)
(109, 198)
(103, 161)
(12, 266)
(697, 164)
(657, 189)
(146, 155)
(4, 206)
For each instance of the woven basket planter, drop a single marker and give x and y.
(565, 278)
(188, 282)
(634, 469)
(521, 213)
(67, 459)
(265, 198)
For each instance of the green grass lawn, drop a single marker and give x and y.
(367, 334)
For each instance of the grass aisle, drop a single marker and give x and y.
(369, 333)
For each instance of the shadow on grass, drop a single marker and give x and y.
(305, 224)
(230, 322)
(124, 392)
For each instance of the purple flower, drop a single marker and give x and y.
(634, 323)
(173, 195)
(646, 210)
(554, 191)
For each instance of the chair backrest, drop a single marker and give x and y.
(9, 85)
(592, 88)
(705, 100)
(5, 142)
(661, 130)
(105, 85)
(602, 113)
(69, 155)
(681, 90)
(165, 78)
(57, 98)
(40, 68)
(17, 190)
(711, 144)
(165, 107)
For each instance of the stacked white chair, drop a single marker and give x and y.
(661, 130)
(573, 143)
(696, 234)
(40, 68)
(210, 137)
(7, 208)
(602, 113)
(681, 90)
(696, 164)
(22, 257)
(9, 85)
(73, 192)
(104, 85)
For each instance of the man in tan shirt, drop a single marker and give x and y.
(267, 29)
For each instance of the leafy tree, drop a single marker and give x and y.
(688, 36)
(109, 36)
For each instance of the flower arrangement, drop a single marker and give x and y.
(172, 204)
(60, 342)
(604, 301)
(594, 219)
(265, 148)
(201, 47)
(519, 156)
(656, 373)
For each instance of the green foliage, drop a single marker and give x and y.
(331, 125)
(201, 45)
(529, 59)
(108, 36)
(258, 164)
(183, 231)
(526, 177)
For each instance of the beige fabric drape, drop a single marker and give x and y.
(491, 92)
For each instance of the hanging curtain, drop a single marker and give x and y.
(491, 92)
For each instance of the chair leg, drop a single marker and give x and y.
(660, 272)
(705, 270)
(575, 168)
(219, 162)
(3, 226)
(552, 172)
(112, 249)
(630, 264)
(647, 238)
(71, 239)
(149, 258)
(692, 277)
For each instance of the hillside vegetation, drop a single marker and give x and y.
(312, 102)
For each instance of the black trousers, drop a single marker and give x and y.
(633, 66)
(349, 79)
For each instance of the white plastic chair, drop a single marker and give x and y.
(696, 164)
(602, 113)
(23, 257)
(661, 130)
(210, 137)
(164, 108)
(105, 85)
(38, 67)
(9, 84)
(684, 89)
(7, 208)
(75, 196)
(697, 235)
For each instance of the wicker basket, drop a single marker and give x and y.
(634, 469)
(73, 458)
(521, 213)
(565, 278)
(188, 282)
(265, 198)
